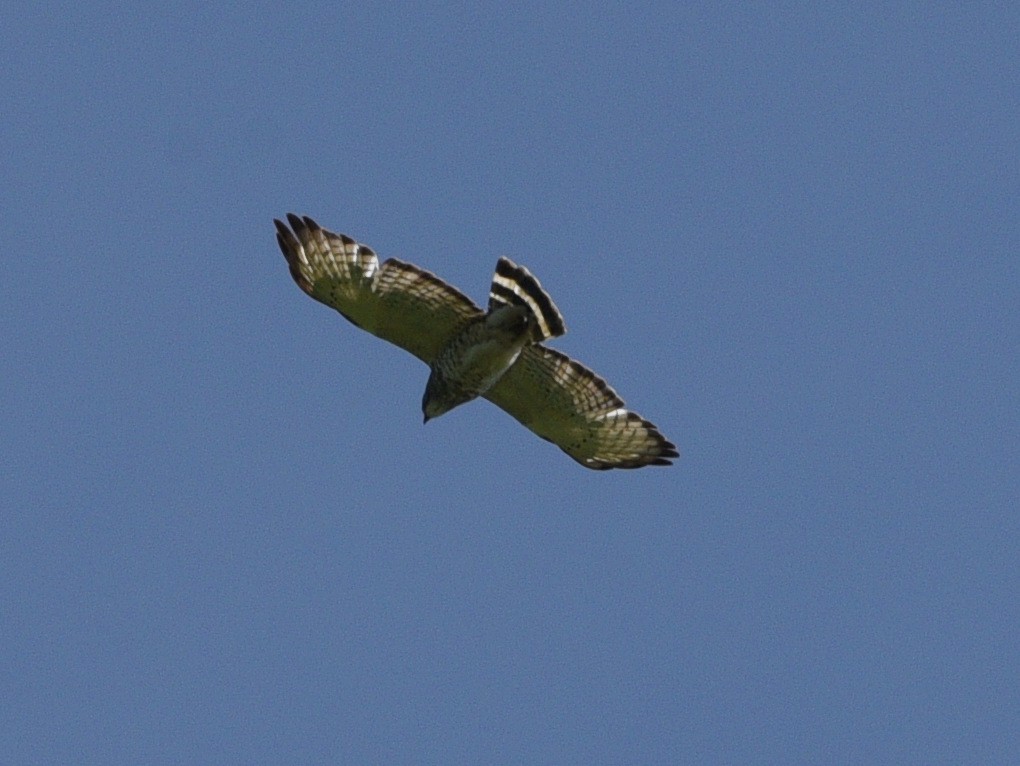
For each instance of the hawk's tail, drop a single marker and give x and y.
(514, 285)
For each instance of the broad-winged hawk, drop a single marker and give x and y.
(497, 354)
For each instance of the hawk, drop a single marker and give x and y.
(497, 354)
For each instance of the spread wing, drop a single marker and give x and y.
(396, 301)
(566, 403)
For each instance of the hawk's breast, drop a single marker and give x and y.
(479, 355)
(475, 359)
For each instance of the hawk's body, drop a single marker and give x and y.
(474, 359)
(496, 353)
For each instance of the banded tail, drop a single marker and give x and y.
(514, 285)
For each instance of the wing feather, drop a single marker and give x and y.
(395, 301)
(567, 404)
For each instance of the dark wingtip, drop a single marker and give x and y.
(286, 240)
(290, 245)
(296, 222)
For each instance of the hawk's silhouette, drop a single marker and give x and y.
(497, 354)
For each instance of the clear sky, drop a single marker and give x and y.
(787, 233)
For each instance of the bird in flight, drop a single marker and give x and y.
(497, 354)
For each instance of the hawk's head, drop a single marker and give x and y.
(440, 397)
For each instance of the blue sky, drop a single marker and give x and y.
(787, 233)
